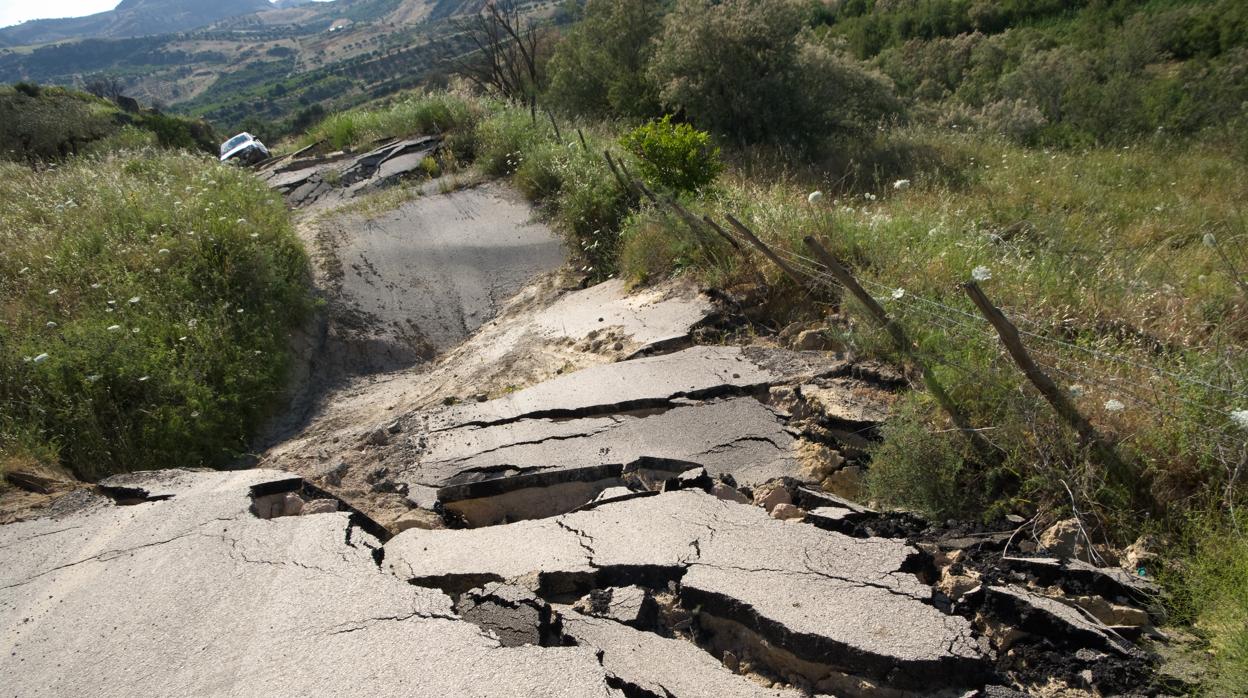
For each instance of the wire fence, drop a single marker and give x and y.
(1081, 370)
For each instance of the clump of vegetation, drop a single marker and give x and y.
(146, 299)
(599, 68)
(46, 124)
(421, 113)
(675, 156)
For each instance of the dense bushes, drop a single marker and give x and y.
(146, 303)
(745, 69)
(599, 68)
(44, 124)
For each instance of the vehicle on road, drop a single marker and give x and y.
(245, 149)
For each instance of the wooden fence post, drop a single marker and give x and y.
(722, 233)
(797, 277)
(558, 135)
(986, 450)
(1048, 388)
(626, 185)
(581, 134)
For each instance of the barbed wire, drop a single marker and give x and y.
(814, 269)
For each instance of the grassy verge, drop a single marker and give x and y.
(145, 300)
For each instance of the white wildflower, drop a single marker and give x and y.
(241, 310)
(814, 197)
(1210, 240)
(95, 285)
(134, 300)
(114, 328)
(981, 273)
(255, 235)
(135, 330)
(23, 270)
(241, 221)
(901, 184)
(163, 250)
(869, 196)
(1240, 417)
(195, 413)
(51, 325)
(899, 294)
(54, 291)
(1114, 406)
(182, 339)
(112, 302)
(94, 377)
(1076, 391)
(144, 379)
(192, 323)
(41, 358)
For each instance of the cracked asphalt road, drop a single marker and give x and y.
(194, 595)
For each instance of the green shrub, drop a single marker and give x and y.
(147, 300)
(504, 139)
(676, 156)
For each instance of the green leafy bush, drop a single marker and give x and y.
(675, 156)
(146, 302)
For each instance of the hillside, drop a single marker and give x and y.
(129, 19)
(260, 69)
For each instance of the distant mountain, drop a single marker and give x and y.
(284, 4)
(131, 18)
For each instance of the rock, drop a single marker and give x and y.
(786, 512)
(333, 474)
(848, 482)
(230, 604)
(1141, 555)
(293, 505)
(729, 493)
(1065, 539)
(319, 506)
(1111, 613)
(416, 518)
(377, 437)
(633, 606)
(839, 604)
(395, 427)
(816, 340)
(772, 495)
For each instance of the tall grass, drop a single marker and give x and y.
(145, 303)
(416, 114)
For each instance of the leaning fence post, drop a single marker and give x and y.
(797, 277)
(722, 233)
(1048, 388)
(624, 183)
(902, 342)
(581, 134)
(558, 135)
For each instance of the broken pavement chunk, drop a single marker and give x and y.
(1053, 620)
(633, 606)
(646, 664)
(701, 373)
(513, 614)
(840, 604)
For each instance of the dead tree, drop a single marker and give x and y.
(503, 55)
